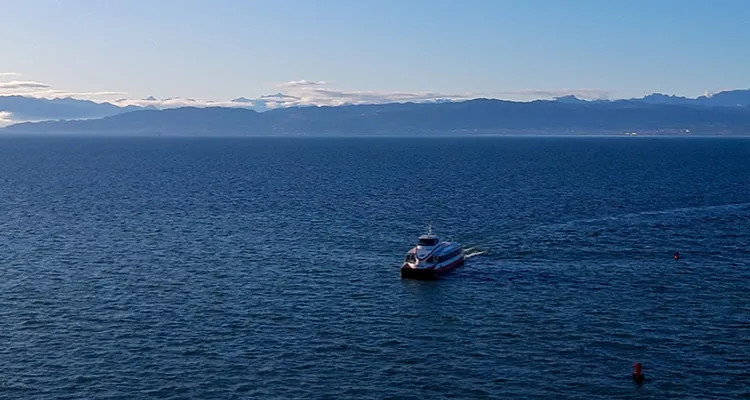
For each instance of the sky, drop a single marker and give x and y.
(336, 51)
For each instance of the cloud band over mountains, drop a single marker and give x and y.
(6, 119)
(292, 93)
(22, 86)
(300, 92)
(16, 87)
(591, 94)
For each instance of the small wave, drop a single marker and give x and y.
(4, 385)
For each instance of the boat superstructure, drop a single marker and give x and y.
(431, 257)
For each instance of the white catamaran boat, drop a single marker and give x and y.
(431, 258)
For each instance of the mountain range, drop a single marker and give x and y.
(728, 98)
(35, 109)
(480, 116)
(722, 113)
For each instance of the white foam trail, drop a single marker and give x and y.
(469, 255)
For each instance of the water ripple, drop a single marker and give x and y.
(268, 268)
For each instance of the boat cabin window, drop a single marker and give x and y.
(428, 241)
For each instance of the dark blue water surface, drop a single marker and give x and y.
(268, 268)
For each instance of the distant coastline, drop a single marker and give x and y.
(478, 117)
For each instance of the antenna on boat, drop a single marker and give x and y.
(429, 228)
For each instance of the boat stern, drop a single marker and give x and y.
(408, 272)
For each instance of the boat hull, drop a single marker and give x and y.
(429, 273)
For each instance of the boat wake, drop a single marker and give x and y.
(473, 252)
(589, 231)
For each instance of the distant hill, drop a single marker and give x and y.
(480, 116)
(729, 98)
(35, 109)
(25, 109)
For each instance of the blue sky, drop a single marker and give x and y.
(509, 49)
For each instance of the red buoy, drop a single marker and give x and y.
(638, 376)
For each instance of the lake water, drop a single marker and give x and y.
(265, 268)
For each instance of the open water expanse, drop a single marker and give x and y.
(265, 268)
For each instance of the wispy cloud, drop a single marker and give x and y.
(709, 93)
(300, 92)
(5, 118)
(581, 93)
(88, 94)
(303, 93)
(336, 96)
(43, 90)
(22, 85)
(56, 93)
(302, 83)
(319, 93)
(6, 75)
(182, 102)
